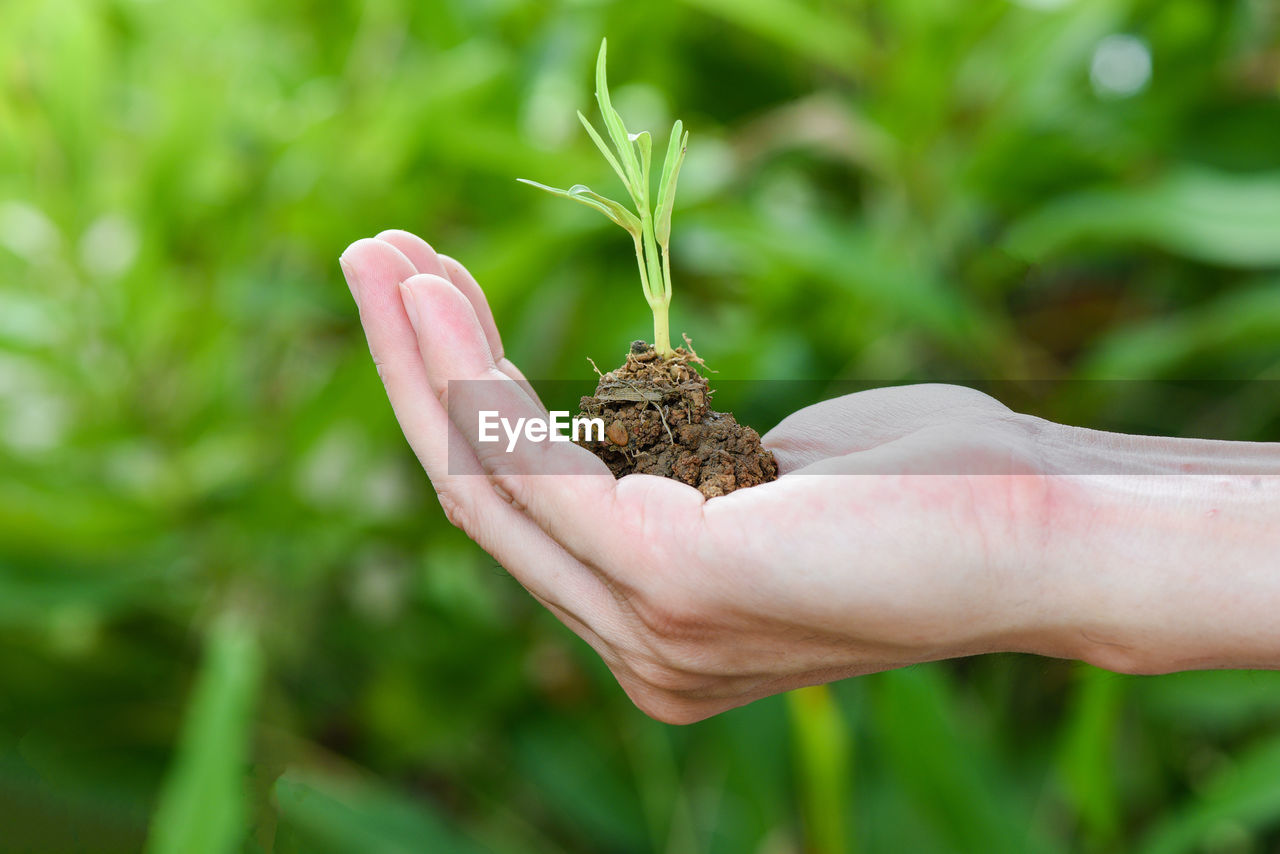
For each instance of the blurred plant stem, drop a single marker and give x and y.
(202, 805)
(1087, 757)
(666, 803)
(823, 768)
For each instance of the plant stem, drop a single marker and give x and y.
(633, 163)
(644, 272)
(661, 335)
(657, 281)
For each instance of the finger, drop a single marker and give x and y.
(418, 251)
(427, 260)
(574, 624)
(466, 283)
(374, 270)
(564, 488)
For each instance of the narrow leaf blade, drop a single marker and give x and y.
(608, 155)
(667, 193)
(644, 143)
(616, 211)
(613, 122)
(581, 194)
(669, 162)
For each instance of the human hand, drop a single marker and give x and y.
(861, 557)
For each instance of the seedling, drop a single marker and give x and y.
(658, 387)
(650, 225)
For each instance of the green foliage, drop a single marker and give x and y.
(190, 426)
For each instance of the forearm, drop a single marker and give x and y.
(1165, 552)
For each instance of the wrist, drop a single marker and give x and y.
(1159, 554)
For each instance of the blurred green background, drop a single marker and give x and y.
(232, 616)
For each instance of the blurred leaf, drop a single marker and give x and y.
(344, 816)
(947, 773)
(1232, 220)
(1246, 795)
(1212, 702)
(851, 260)
(202, 806)
(797, 27)
(1088, 756)
(665, 801)
(585, 791)
(823, 762)
(1245, 318)
(31, 599)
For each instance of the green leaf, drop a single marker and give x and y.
(608, 155)
(615, 211)
(667, 189)
(644, 142)
(202, 809)
(613, 123)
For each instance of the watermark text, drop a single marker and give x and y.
(550, 429)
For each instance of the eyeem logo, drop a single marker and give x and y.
(538, 429)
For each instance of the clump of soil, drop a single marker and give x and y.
(658, 421)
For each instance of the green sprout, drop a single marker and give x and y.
(650, 225)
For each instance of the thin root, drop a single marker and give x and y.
(693, 355)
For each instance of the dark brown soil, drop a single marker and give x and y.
(658, 421)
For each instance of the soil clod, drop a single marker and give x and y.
(659, 422)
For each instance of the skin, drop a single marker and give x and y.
(953, 526)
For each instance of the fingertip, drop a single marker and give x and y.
(446, 323)
(465, 282)
(462, 278)
(394, 233)
(371, 265)
(362, 247)
(380, 255)
(429, 286)
(451, 265)
(425, 259)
